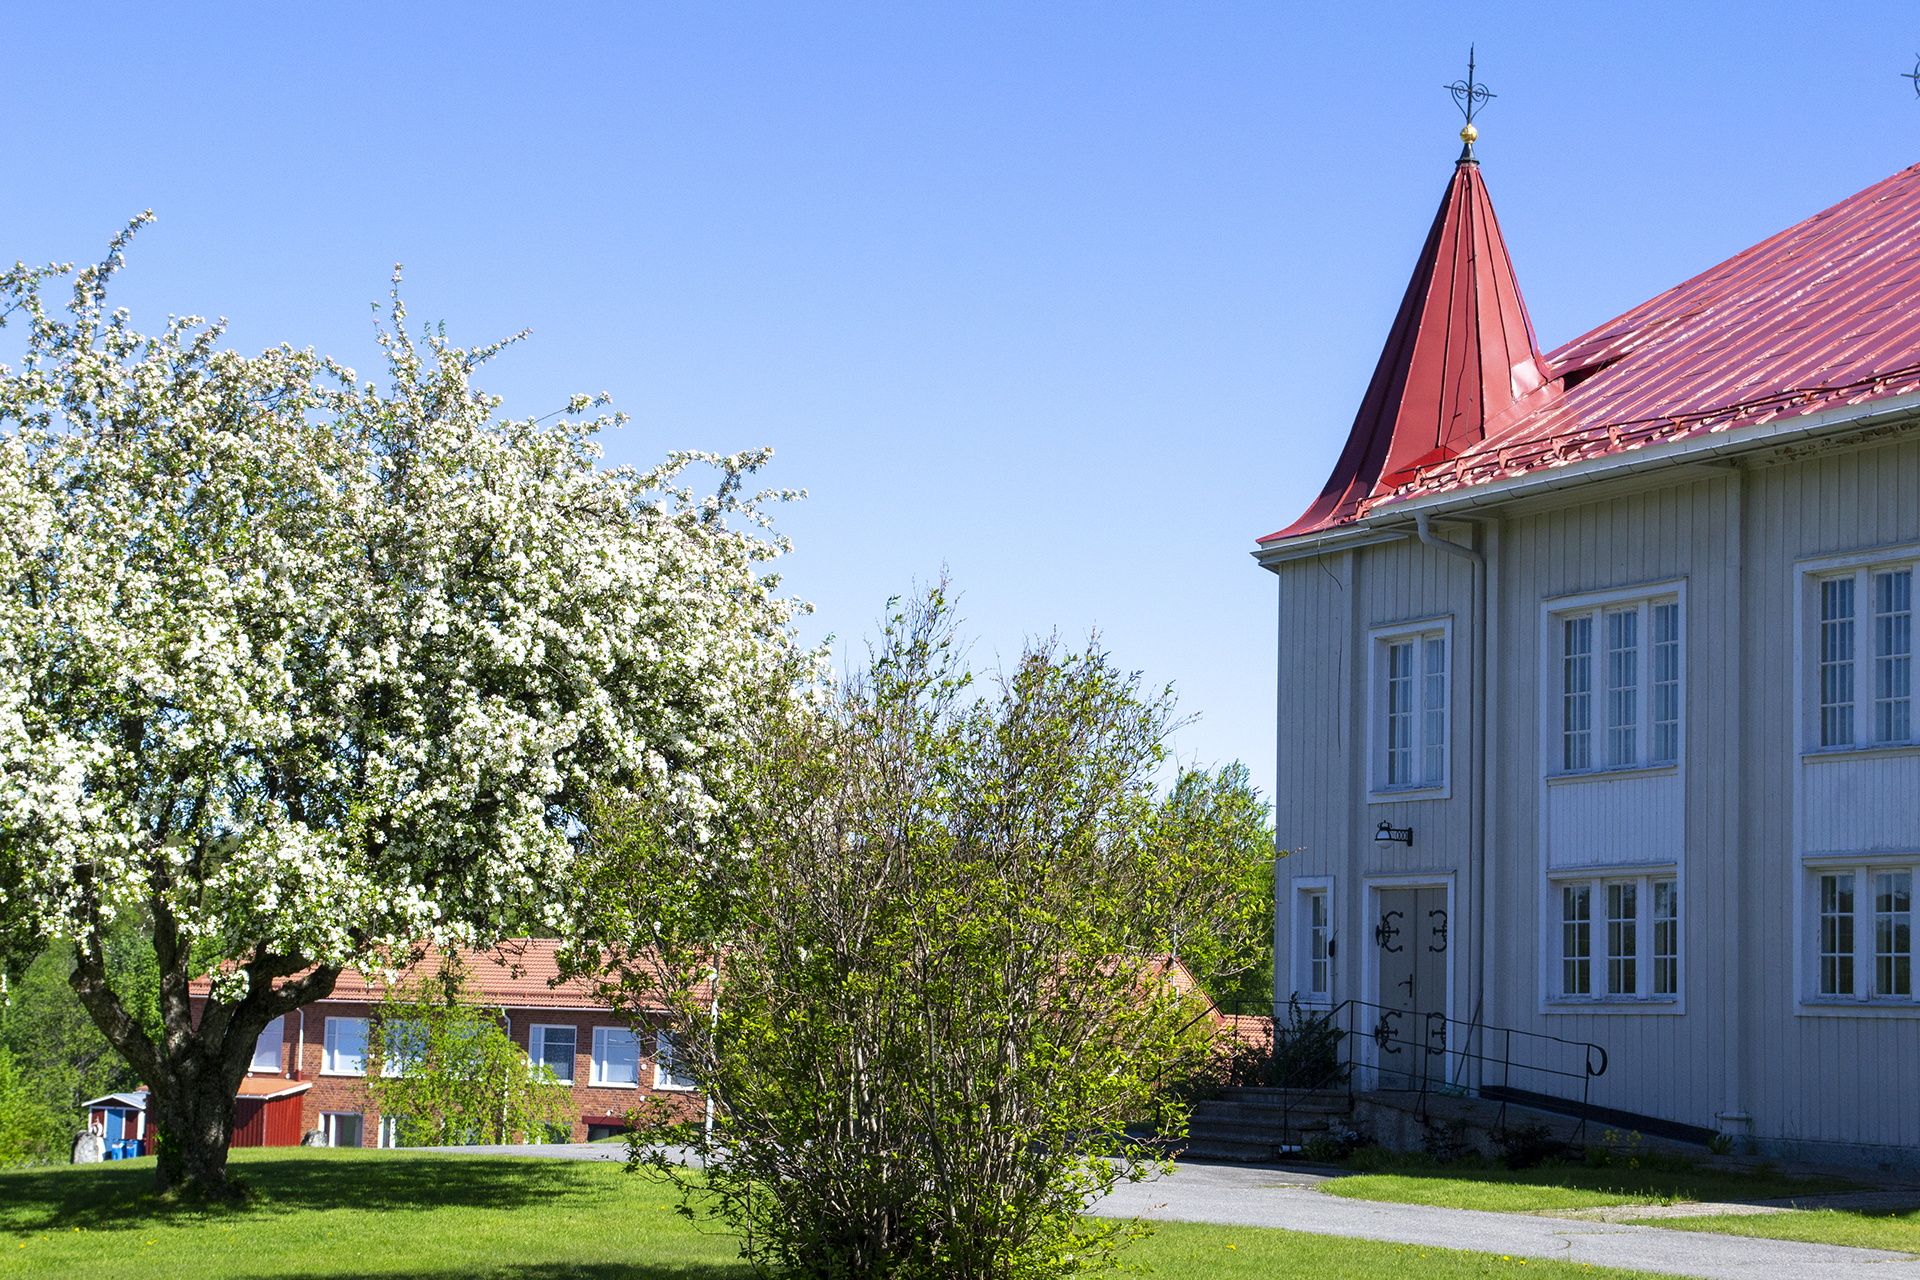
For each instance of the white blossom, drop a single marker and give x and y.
(319, 668)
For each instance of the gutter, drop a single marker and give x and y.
(1713, 448)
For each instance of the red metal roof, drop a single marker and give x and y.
(1826, 313)
(1461, 354)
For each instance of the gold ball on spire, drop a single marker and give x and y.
(1469, 134)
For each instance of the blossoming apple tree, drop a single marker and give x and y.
(300, 670)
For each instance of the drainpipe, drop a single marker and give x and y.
(508, 1019)
(1477, 817)
(300, 1050)
(713, 1032)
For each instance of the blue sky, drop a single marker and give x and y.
(1074, 299)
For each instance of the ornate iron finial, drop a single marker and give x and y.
(1914, 75)
(1470, 95)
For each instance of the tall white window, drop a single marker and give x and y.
(1666, 681)
(403, 1046)
(1576, 699)
(1836, 662)
(1836, 934)
(266, 1050)
(1893, 933)
(1863, 933)
(343, 1128)
(553, 1047)
(1623, 938)
(669, 1071)
(1576, 939)
(1666, 938)
(1893, 656)
(1620, 685)
(616, 1057)
(344, 1051)
(1638, 938)
(1414, 701)
(1319, 950)
(1864, 657)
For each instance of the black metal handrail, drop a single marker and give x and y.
(1331, 1048)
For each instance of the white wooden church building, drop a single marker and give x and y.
(1596, 709)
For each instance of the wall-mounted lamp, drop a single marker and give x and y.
(1387, 833)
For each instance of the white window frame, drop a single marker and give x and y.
(271, 1064)
(1864, 950)
(1628, 689)
(536, 1048)
(663, 1077)
(598, 1070)
(1305, 890)
(331, 1056)
(394, 1061)
(1648, 929)
(1380, 709)
(330, 1126)
(1865, 662)
(389, 1136)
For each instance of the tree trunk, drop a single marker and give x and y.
(193, 1115)
(198, 1063)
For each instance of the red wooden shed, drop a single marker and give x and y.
(266, 1112)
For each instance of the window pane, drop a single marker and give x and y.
(1435, 765)
(346, 1046)
(1836, 662)
(1623, 687)
(403, 1046)
(616, 1056)
(1576, 709)
(667, 1071)
(1666, 682)
(1836, 935)
(1576, 939)
(342, 1128)
(1666, 938)
(1623, 943)
(554, 1047)
(266, 1050)
(1893, 933)
(1893, 656)
(1400, 713)
(1319, 970)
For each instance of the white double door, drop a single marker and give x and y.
(1411, 944)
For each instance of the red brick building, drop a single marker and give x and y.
(322, 1050)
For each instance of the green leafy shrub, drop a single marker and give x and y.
(31, 1132)
(1306, 1051)
(1527, 1145)
(457, 1076)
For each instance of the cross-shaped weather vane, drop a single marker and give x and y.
(1914, 75)
(1470, 95)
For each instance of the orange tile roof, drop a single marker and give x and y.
(521, 973)
(269, 1087)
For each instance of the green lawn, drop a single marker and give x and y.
(363, 1214)
(1899, 1231)
(1467, 1184)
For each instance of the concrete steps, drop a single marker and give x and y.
(1255, 1125)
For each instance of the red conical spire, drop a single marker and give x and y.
(1460, 354)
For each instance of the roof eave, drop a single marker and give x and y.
(1389, 518)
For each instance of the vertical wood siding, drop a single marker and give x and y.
(1740, 1040)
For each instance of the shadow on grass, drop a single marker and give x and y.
(536, 1271)
(121, 1194)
